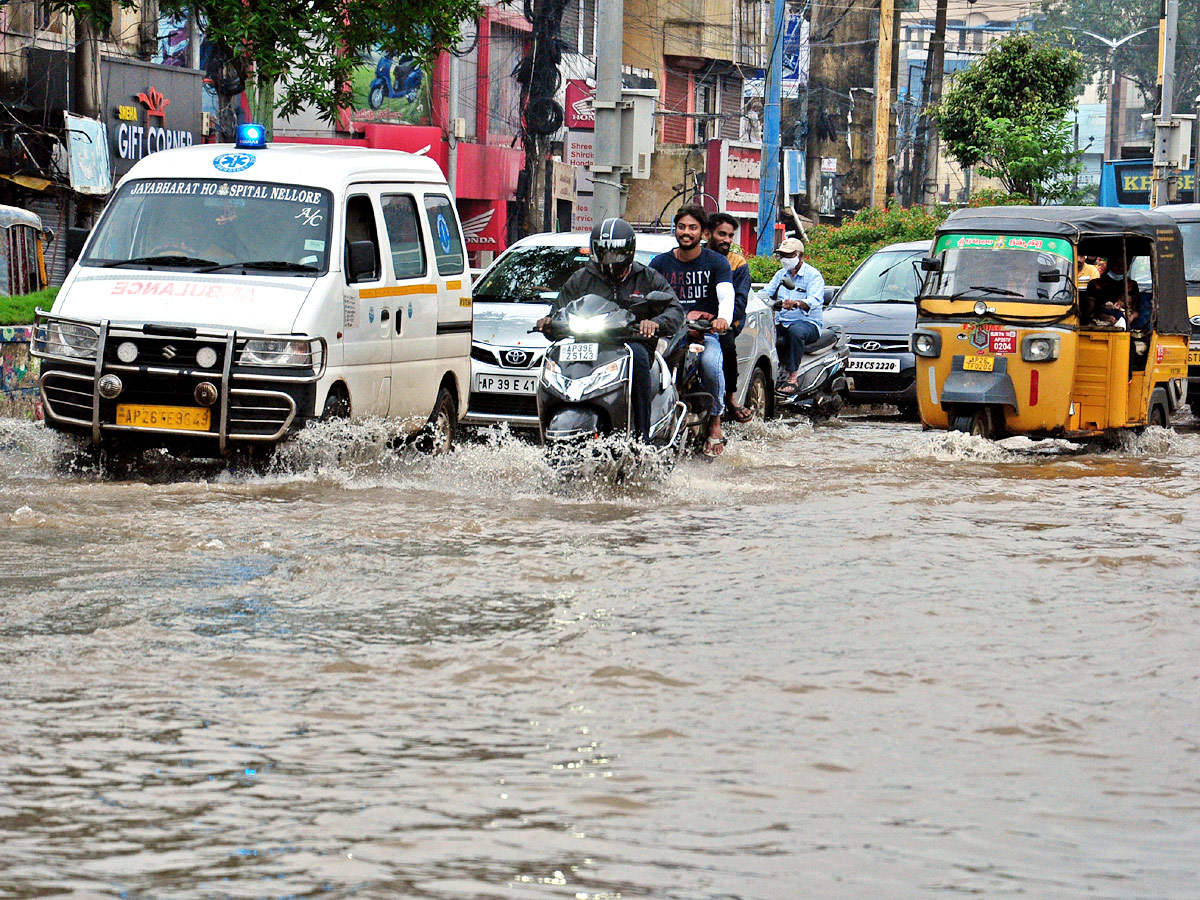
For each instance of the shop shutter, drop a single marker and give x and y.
(55, 213)
(731, 107)
(674, 129)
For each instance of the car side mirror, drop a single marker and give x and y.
(76, 238)
(931, 264)
(1049, 275)
(361, 264)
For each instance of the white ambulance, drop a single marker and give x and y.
(230, 293)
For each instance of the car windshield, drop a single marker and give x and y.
(1007, 266)
(536, 273)
(886, 276)
(206, 222)
(1191, 249)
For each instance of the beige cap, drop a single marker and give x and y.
(790, 245)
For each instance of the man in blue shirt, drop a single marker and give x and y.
(703, 282)
(799, 321)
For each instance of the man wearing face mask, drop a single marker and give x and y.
(799, 321)
(1111, 298)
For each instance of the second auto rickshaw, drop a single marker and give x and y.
(1006, 342)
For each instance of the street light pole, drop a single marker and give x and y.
(1112, 44)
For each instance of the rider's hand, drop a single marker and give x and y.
(541, 323)
(720, 326)
(647, 328)
(790, 304)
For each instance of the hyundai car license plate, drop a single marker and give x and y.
(978, 363)
(180, 418)
(505, 384)
(872, 364)
(1194, 357)
(578, 352)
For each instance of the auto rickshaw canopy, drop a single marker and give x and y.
(1076, 223)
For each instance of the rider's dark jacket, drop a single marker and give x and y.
(640, 282)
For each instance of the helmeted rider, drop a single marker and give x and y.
(612, 272)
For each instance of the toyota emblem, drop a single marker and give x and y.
(516, 357)
(872, 346)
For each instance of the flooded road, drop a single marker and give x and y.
(859, 661)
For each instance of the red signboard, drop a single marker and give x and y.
(579, 110)
(736, 167)
(483, 224)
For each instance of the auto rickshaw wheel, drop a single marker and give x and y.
(980, 422)
(1158, 409)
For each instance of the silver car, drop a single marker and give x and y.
(517, 290)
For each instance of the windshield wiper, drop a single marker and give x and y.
(169, 260)
(1004, 292)
(278, 265)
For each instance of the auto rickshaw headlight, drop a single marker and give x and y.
(926, 343)
(1040, 347)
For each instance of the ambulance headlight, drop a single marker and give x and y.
(66, 339)
(280, 352)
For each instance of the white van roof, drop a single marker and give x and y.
(317, 165)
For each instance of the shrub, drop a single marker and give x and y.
(19, 310)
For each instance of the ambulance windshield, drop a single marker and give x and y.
(213, 224)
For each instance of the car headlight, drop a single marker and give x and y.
(926, 343)
(1040, 347)
(280, 352)
(66, 339)
(586, 324)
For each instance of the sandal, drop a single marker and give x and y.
(713, 447)
(739, 414)
(787, 389)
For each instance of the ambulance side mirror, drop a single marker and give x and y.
(360, 263)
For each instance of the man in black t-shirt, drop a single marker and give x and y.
(703, 282)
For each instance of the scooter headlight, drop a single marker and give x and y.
(586, 324)
(602, 378)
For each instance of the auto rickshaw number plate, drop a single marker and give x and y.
(578, 352)
(180, 418)
(978, 363)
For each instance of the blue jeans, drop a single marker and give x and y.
(712, 371)
(795, 336)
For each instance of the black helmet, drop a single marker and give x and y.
(613, 246)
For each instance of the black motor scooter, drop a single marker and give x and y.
(821, 383)
(585, 391)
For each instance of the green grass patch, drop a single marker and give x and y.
(19, 310)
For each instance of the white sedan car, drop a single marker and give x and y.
(517, 290)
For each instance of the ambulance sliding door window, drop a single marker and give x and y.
(447, 246)
(403, 225)
(360, 226)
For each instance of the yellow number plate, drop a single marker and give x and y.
(978, 363)
(183, 418)
(1194, 357)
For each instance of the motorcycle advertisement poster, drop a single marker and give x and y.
(390, 88)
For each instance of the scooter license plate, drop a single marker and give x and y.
(578, 352)
(978, 363)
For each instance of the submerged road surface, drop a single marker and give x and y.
(859, 661)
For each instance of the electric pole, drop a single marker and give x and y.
(1165, 186)
(931, 93)
(883, 104)
(607, 201)
(768, 183)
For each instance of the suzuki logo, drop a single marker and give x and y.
(516, 357)
(169, 351)
(872, 346)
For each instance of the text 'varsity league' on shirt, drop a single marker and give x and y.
(695, 282)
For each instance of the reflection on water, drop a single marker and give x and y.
(856, 660)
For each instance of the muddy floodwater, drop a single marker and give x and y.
(856, 661)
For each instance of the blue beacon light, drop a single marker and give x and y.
(251, 137)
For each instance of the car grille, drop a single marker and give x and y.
(178, 353)
(504, 404)
(881, 381)
(496, 356)
(879, 345)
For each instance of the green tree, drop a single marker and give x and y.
(296, 53)
(1068, 21)
(1006, 114)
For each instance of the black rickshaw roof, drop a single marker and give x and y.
(1077, 222)
(1072, 222)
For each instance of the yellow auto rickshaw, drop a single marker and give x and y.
(23, 243)
(1006, 343)
(1188, 217)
